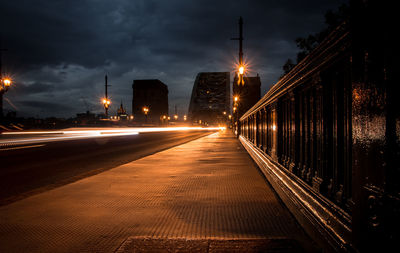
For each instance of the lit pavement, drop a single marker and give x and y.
(203, 196)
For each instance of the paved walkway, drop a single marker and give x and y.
(206, 192)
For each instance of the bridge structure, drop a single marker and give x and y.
(327, 135)
(325, 139)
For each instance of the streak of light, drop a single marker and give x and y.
(92, 133)
(22, 147)
(113, 130)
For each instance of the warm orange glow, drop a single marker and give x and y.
(145, 110)
(106, 102)
(230, 116)
(164, 117)
(7, 82)
(236, 98)
(241, 70)
(234, 108)
(175, 117)
(184, 117)
(72, 134)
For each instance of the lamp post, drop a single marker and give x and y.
(106, 101)
(236, 109)
(5, 84)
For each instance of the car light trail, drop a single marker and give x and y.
(51, 136)
(22, 147)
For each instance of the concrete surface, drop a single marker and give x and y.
(205, 192)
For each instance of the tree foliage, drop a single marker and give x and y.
(307, 44)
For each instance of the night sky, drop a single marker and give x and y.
(60, 50)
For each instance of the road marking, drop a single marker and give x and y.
(22, 147)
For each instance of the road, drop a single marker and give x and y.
(40, 162)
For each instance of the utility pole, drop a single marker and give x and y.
(240, 39)
(240, 81)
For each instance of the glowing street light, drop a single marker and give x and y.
(145, 111)
(106, 103)
(236, 99)
(7, 82)
(184, 117)
(176, 117)
(241, 70)
(4, 86)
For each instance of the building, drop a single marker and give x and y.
(210, 101)
(249, 93)
(150, 101)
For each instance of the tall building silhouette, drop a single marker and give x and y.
(210, 101)
(153, 95)
(249, 93)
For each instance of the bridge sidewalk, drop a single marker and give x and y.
(207, 192)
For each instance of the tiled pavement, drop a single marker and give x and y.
(205, 192)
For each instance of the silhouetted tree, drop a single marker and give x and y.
(306, 45)
(289, 65)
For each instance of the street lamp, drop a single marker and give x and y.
(146, 111)
(241, 70)
(5, 84)
(235, 109)
(106, 104)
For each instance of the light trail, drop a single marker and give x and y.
(62, 135)
(22, 147)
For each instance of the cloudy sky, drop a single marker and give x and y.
(60, 50)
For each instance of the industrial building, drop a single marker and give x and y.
(210, 101)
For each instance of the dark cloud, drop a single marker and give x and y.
(34, 88)
(60, 50)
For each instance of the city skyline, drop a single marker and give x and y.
(58, 53)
